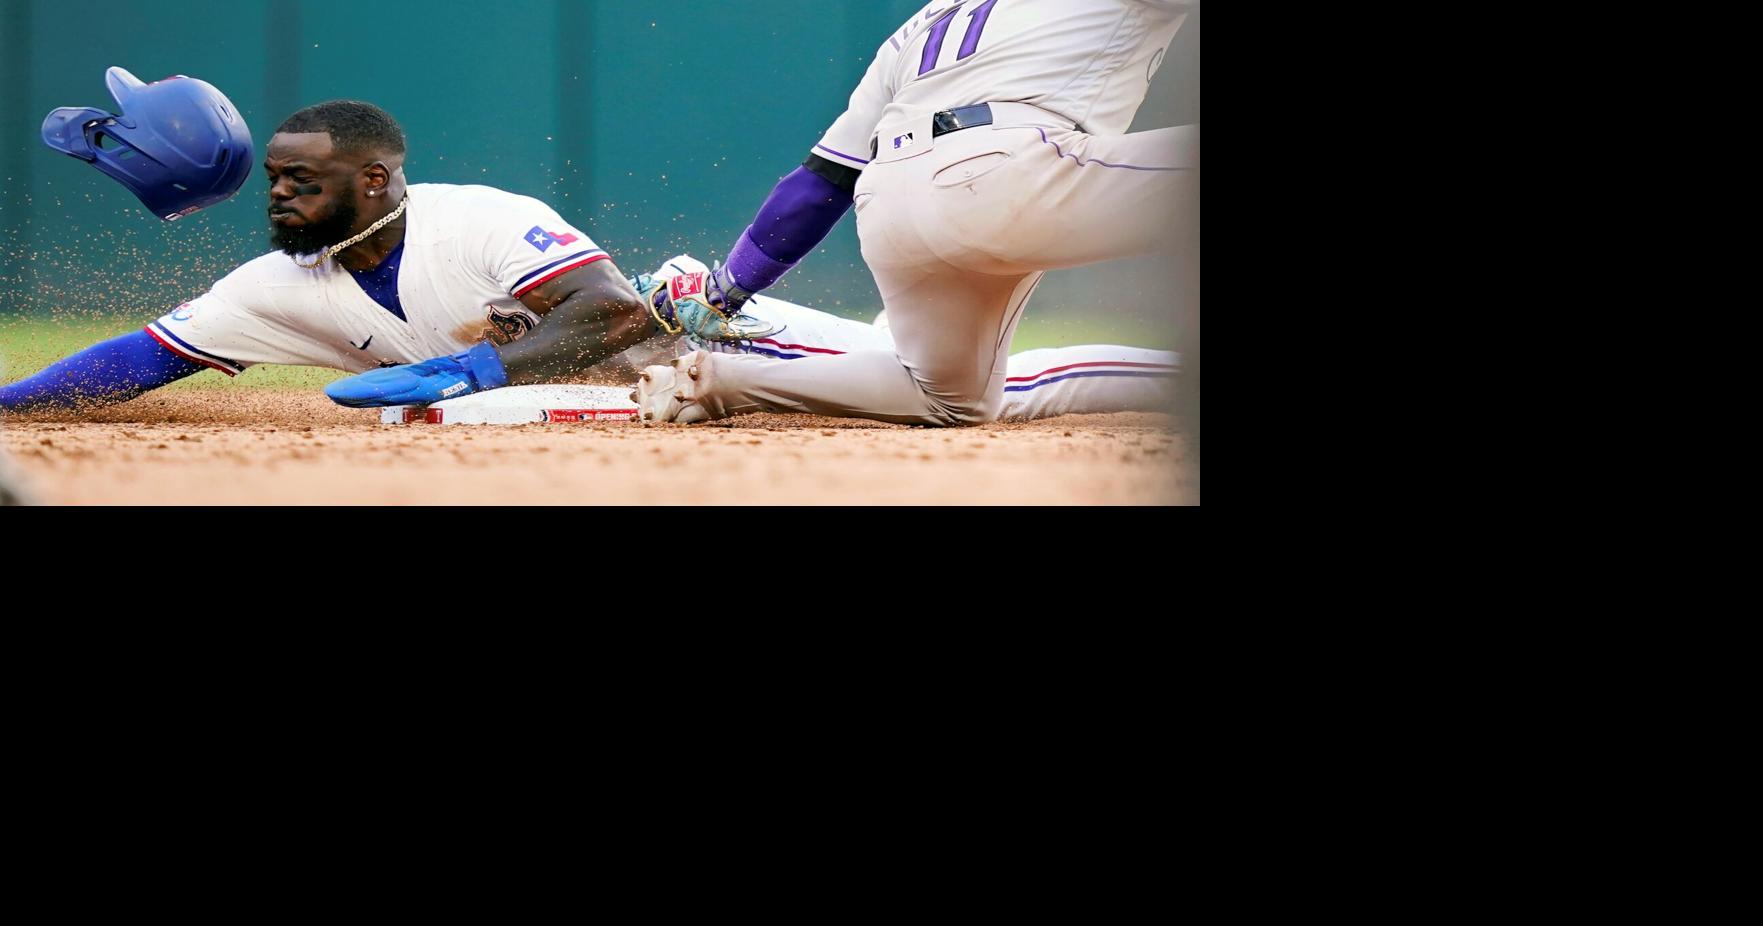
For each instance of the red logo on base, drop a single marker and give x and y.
(590, 414)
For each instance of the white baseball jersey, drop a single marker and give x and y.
(469, 253)
(1090, 61)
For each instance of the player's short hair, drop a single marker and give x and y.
(354, 126)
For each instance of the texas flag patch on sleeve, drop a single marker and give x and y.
(541, 240)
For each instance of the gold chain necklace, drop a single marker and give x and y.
(336, 249)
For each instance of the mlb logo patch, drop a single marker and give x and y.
(903, 141)
(686, 284)
(542, 239)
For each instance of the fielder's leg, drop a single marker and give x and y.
(1083, 198)
(1089, 379)
(946, 372)
(803, 332)
(1094, 197)
(1076, 380)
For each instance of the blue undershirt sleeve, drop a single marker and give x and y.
(113, 371)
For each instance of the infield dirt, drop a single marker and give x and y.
(273, 447)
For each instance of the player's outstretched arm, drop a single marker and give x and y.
(806, 204)
(104, 374)
(591, 313)
(792, 222)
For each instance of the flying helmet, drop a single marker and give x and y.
(178, 144)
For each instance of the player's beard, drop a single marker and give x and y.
(313, 237)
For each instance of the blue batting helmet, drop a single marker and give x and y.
(178, 143)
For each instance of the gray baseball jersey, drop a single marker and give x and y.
(1090, 61)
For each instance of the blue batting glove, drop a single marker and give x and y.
(422, 383)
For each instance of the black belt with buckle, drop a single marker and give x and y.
(949, 120)
(955, 120)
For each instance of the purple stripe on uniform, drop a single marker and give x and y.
(841, 154)
(558, 262)
(1077, 376)
(895, 41)
(1083, 163)
(197, 351)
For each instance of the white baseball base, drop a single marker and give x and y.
(522, 405)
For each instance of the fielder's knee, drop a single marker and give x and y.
(955, 413)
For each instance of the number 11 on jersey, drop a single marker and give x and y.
(976, 24)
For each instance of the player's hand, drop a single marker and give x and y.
(696, 305)
(446, 377)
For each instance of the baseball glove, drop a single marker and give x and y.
(685, 305)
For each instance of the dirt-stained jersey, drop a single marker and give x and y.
(1090, 61)
(469, 253)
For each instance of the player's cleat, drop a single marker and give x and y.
(422, 383)
(669, 392)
